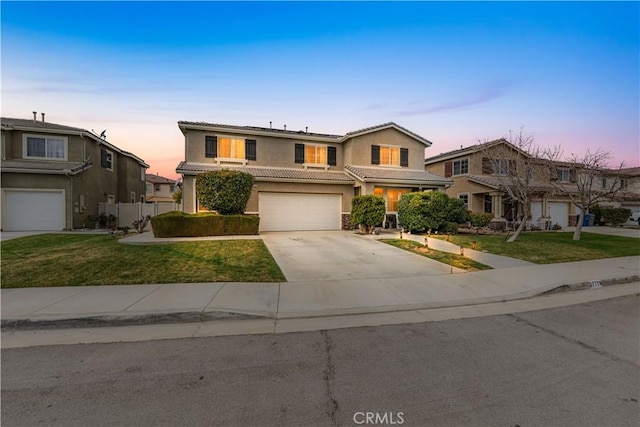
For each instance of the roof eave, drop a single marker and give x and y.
(301, 136)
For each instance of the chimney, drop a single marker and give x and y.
(35, 116)
(42, 116)
(285, 127)
(269, 124)
(306, 129)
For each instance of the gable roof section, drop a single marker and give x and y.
(469, 150)
(157, 179)
(270, 173)
(8, 123)
(398, 176)
(388, 125)
(291, 134)
(48, 168)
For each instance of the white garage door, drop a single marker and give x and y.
(299, 211)
(536, 211)
(35, 210)
(559, 212)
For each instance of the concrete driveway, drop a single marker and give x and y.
(339, 255)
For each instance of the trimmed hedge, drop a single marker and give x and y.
(180, 224)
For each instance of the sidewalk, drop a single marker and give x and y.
(170, 303)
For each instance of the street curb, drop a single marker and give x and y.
(202, 317)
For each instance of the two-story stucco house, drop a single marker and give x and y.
(159, 188)
(54, 176)
(304, 180)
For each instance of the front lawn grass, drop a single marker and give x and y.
(548, 248)
(444, 257)
(76, 260)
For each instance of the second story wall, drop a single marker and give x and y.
(357, 150)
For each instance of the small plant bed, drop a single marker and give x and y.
(454, 260)
(551, 247)
(75, 260)
(179, 224)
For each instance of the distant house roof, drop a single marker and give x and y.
(157, 179)
(301, 134)
(470, 149)
(270, 173)
(8, 123)
(373, 174)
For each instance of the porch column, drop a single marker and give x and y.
(496, 206)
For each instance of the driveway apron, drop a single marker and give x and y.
(339, 255)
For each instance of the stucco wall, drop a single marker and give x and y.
(358, 149)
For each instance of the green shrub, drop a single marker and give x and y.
(367, 211)
(420, 211)
(616, 216)
(226, 192)
(480, 220)
(597, 211)
(179, 224)
(450, 228)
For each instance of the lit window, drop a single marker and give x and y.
(392, 198)
(315, 154)
(390, 156)
(461, 167)
(231, 148)
(378, 191)
(45, 147)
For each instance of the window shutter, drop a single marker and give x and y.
(375, 154)
(404, 157)
(487, 168)
(448, 169)
(211, 146)
(299, 154)
(250, 149)
(331, 156)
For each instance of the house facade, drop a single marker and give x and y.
(159, 188)
(54, 176)
(478, 172)
(304, 180)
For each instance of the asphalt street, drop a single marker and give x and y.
(577, 365)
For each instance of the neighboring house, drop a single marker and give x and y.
(159, 188)
(629, 181)
(54, 176)
(477, 181)
(304, 180)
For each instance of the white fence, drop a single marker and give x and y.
(127, 213)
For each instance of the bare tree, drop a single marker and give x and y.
(582, 179)
(512, 163)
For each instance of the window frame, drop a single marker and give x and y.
(110, 153)
(390, 157)
(459, 162)
(560, 172)
(316, 147)
(234, 140)
(25, 154)
(467, 201)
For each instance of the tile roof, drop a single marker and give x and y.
(259, 129)
(470, 149)
(392, 174)
(270, 173)
(8, 122)
(496, 183)
(54, 167)
(157, 179)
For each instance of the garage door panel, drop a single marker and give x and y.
(559, 212)
(299, 211)
(34, 210)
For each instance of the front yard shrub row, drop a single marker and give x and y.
(615, 216)
(179, 224)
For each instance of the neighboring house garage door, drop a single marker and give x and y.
(559, 212)
(299, 211)
(35, 210)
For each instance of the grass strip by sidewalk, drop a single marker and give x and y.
(75, 260)
(454, 260)
(549, 248)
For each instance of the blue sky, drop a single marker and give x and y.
(455, 72)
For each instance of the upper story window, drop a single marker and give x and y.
(563, 174)
(157, 187)
(456, 167)
(45, 147)
(229, 148)
(388, 155)
(106, 159)
(313, 154)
